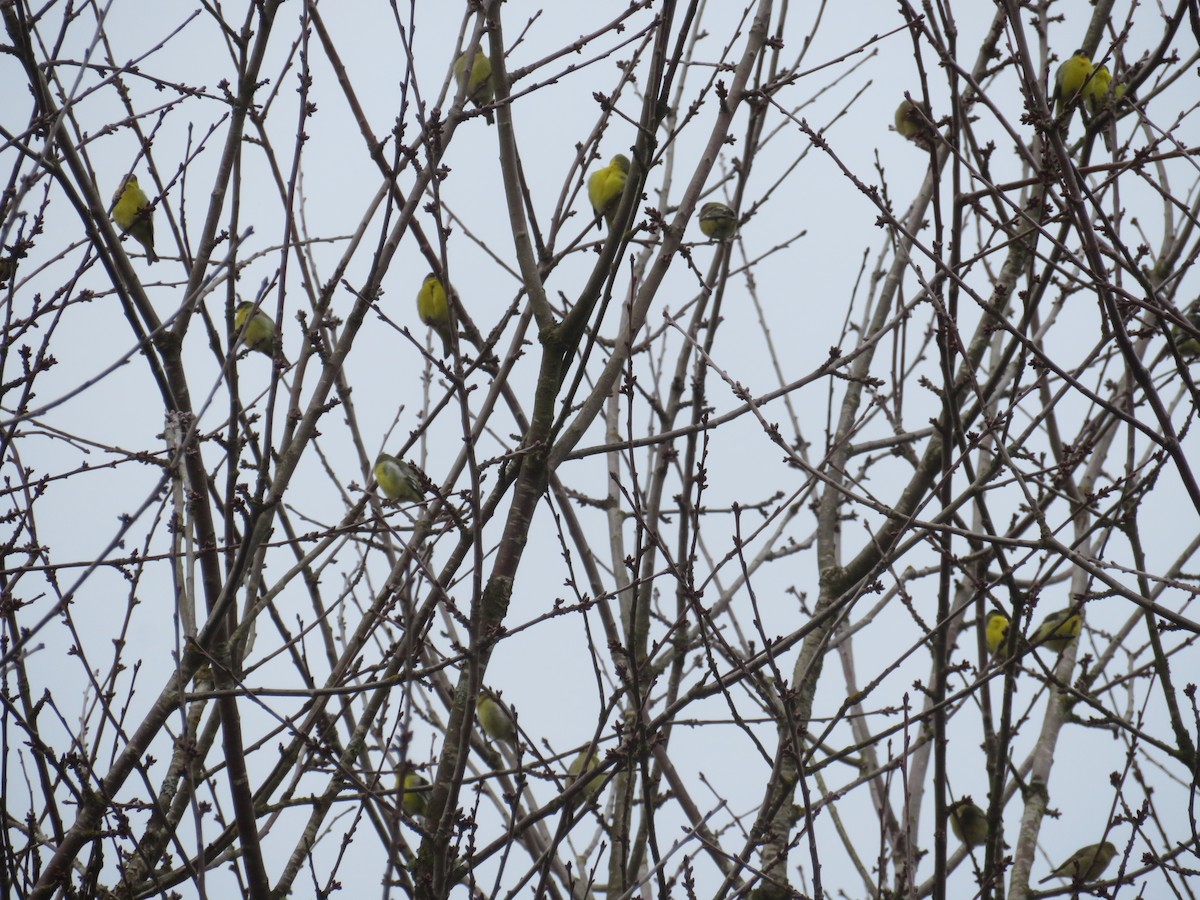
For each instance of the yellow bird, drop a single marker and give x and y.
(912, 122)
(1069, 81)
(133, 214)
(1187, 345)
(397, 479)
(495, 718)
(1057, 630)
(1095, 92)
(260, 334)
(605, 186)
(1097, 97)
(414, 798)
(1085, 864)
(434, 309)
(968, 822)
(718, 221)
(995, 631)
(583, 764)
(479, 87)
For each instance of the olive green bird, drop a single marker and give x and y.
(495, 718)
(1085, 864)
(968, 822)
(414, 798)
(1097, 97)
(912, 122)
(995, 631)
(397, 479)
(133, 214)
(1057, 630)
(584, 763)
(478, 87)
(718, 221)
(1095, 92)
(605, 186)
(260, 333)
(434, 309)
(1187, 345)
(1069, 81)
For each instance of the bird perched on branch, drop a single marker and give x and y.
(1097, 98)
(495, 718)
(434, 309)
(479, 88)
(1057, 630)
(414, 798)
(1085, 864)
(968, 822)
(718, 221)
(995, 631)
(260, 334)
(1069, 80)
(914, 123)
(1185, 343)
(1095, 92)
(133, 214)
(584, 763)
(605, 186)
(397, 479)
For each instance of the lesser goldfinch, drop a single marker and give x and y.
(494, 718)
(1095, 93)
(1057, 630)
(605, 186)
(585, 762)
(397, 479)
(1085, 864)
(1097, 98)
(1070, 79)
(718, 221)
(995, 631)
(479, 88)
(8, 268)
(260, 334)
(1187, 345)
(434, 309)
(968, 822)
(414, 799)
(911, 124)
(133, 214)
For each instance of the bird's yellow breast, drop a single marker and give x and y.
(132, 199)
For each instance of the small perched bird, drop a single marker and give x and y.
(1187, 345)
(1085, 864)
(1057, 630)
(414, 800)
(8, 268)
(1069, 81)
(718, 221)
(397, 479)
(968, 822)
(995, 631)
(260, 334)
(1097, 97)
(495, 718)
(605, 186)
(133, 214)
(584, 763)
(434, 309)
(479, 87)
(911, 124)
(1095, 92)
